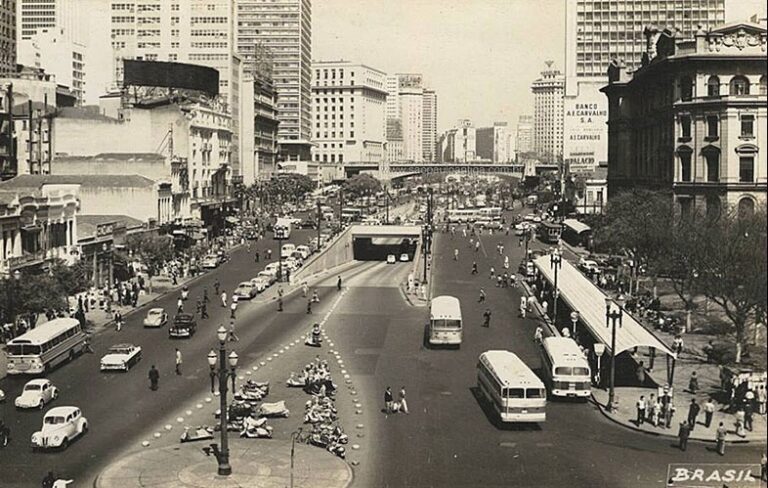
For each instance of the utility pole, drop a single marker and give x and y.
(318, 223)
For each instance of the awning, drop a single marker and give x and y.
(232, 220)
(576, 226)
(583, 296)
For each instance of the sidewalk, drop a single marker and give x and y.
(266, 464)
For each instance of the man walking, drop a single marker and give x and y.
(684, 434)
(388, 400)
(640, 411)
(224, 299)
(403, 403)
(720, 437)
(154, 378)
(709, 411)
(487, 318)
(178, 361)
(481, 299)
(693, 413)
(523, 306)
(203, 311)
(338, 283)
(233, 308)
(216, 286)
(474, 267)
(309, 307)
(231, 336)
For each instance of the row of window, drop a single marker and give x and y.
(713, 126)
(333, 134)
(739, 85)
(712, 158)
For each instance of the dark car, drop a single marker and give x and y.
(184, 325)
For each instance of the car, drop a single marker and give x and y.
(211, 261)
(304, 250)
(589, 266)
(184, 325)
(121, 357)
(268, 276)
(61, 425)
(261, 283)
(298, 256)
(156, 317)
(308, 224)
(494, 224)
(36, 394)
(391, 259)
(404, 257)
(246, 290)
(291, 263)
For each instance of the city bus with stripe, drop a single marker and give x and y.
(511, 387)
(445, 322)
(565, 369)
(45, 346)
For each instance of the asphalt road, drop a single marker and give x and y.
(119, 406)
(448, 439)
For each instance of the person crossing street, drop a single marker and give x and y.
(487, 318)
(224, 299)
(178, 361)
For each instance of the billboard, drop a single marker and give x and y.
(171, 75)
(585, 129)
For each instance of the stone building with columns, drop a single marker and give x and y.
(692, 119)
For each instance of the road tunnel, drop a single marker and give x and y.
(378, 248)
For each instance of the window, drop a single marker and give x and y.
(713, 86)
(713, 166)
(686, 89)
(747, 169)
(685, 165)
(685, 126)
(747, 126)
(746, 207)
(763, 85)
(739, 86)
(712, 126)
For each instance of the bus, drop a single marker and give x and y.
(462, 216)
(509, 385)
(351, 213)
(490, 213)
(45, 346)
(566, 370)
(549, 232)
(445, 323)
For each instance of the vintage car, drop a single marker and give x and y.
(121, 357)
(270, 276)
(404, 258)
(211, 261)
(61, 425)
(184, 325)
(246, 290)
(36, 394)
(156, 317)
(262, 282)
(391, 259)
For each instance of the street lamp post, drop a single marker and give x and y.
(225, 371)
(574, 320)
(555, 262)
(528, 233)
(319, 219)
(294, 435)
(612, 317)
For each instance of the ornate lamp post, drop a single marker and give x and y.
(574, 320)
(555, 262)
(226, 370)
(612, 317)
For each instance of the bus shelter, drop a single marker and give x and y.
(581, 295)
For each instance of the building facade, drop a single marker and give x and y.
(405, 103)
(692, 119)
(55, 52)
(283, 30)
(258, 146)
(597, 32)
(524, 136)
(548, 113)
(429, 124)
(493, 143)
(348, 108)
(7, 37)
(38, 16)
(459, 144)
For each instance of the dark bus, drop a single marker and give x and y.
(549, 232)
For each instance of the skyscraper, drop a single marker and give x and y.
(405, 103)
(7, 37)
(283, 29)
(524, 138)
(429, 126)
(38, 16)
(548, 114)
(597, 31)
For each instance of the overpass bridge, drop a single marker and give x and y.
(393, 171)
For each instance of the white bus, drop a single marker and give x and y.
(490, 213)
(445, 323)
(515, 392)
(566, 370)
(45, 346)
(463, 216)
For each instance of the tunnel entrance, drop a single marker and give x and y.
(378, 248)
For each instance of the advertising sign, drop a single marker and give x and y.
(585, 129)
(702, 475)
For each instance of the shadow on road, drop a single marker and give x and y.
(493, 416)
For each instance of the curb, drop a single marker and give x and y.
(607, 415)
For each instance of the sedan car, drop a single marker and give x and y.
(246, 290)
(391, 259)
(61, 425)
(404, 258)
(156, 317)
(211, 261)
(121, 357)
(270, 276)
(261, 283)
(36, 394)
(184, 325)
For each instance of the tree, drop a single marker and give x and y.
(73, 279)
(361, 185)
(37, 294)
(733, 267)
(153, 251)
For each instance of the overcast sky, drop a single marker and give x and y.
(479, 55)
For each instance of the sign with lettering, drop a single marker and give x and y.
(585, 129)
(701, 475)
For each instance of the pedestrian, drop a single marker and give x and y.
(538, 336)
(309, 307)
(762, 397)
(216, 286)
(640, 372)
(205, 296)
(203, 311)
(403, 402)
(709, 411)
(474, 267)
(677, 344)
(531, 301)
(315, 296)
(231, 336)
(493, 272)
(640, 410)
(154, 378)
(180, 306)
(118, 321)
(720, 437)
(506, 262)
(178, 361)
(224, 299)
(693, 383)
(764, 467)
(748, 414)
(477, 245)
(455, 254)
(544, 307)
(523, 306)
(233, 309)
(338, 283)
(48, 480)
(481, 299)
(257, 256)
(656, 408)
(279, 304)
(693, 413)
(683, 434)
(388, 400)
(87, 345)
(304, 289)
(487, 318)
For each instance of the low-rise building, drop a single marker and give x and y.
(97, 237)
(692, 119)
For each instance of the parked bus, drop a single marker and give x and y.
(566, 370)
(549, 232)
(45, 346)
(462, 216)
(509, 385)
(490, 213)
(445, 323)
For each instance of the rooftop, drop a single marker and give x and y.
(36, 182)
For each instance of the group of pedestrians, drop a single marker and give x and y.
(391, 406)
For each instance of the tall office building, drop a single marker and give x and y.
(493, 143)
(405, 103)
(38, 16)
(282, 30)
(598, 31)
(429, 126)
(7, 37)
(524, 138)
(548, 114)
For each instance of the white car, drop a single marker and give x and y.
(61, 425)
(121, 357)
(156, 317)
(589, 266)
(246, 290)
(270, 277)
(211, 261)
(261, 283)
(391, 259)
(404, 258)
(304, 250)
(36, 394)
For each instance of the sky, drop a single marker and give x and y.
(479, 55)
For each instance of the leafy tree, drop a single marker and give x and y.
(361, 185)
(73, 279)
(152, 250)
(37, 294)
